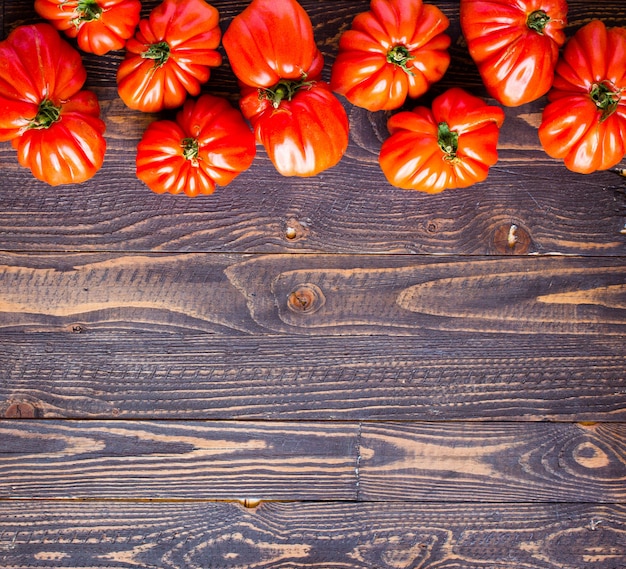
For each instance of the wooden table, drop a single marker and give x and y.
(323, 372)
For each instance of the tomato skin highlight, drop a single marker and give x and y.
(170, 56)
(451, 145)
(208, 144)
(100, 26)
(584, 122)
(395, 50)
(271, 40)
(515, 45)
(53, 124)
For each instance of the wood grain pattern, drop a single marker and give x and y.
(164, 460)
(330, 535)
(525, 462)
(348, 209)
(314, 295)
(431, 376)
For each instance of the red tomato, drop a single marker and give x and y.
(170, 56)
(304, 130)
(451, 146)
(100, 26)
(585, 121)
(272, 40)
(515, 44)
(208, 144)
(54, 126)
(394, 51)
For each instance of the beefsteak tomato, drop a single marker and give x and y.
(209, 143)
(170, 56)
(303, 127)
(52, 123)
(395, 50)
(270, 41)
(99, 26)
(584, 122)
(449, 146)
(515, 45)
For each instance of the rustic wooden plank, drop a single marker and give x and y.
(313, 295)
(177, 460)
(351, 536)
(349, 208)
(492, 462)
(454, 462)
(431, 376)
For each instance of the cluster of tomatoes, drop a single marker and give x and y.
(394, 51)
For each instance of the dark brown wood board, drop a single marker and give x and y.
(314, 372)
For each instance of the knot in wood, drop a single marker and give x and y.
(306, 298)
(511, 239)
(20, 411)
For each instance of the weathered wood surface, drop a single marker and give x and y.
(184, 535)
(304, 294)
(491, 462)
(431, 376)
(380, 374)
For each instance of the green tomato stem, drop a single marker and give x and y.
(400, 56)
(88, 11)
(284, 90)
(537, 21)
(159, 52)
(606, 97)
(47, 114)
(448, 140)
(190, 149)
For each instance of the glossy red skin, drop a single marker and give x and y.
(109, 32)
(269, 41)
(572, 127)
(515, 62)
(226, 147)
(303, 136)
(70, 150)
(361, 71)
(191, 29)
(412, 159)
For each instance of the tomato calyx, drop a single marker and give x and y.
(606, 97)
(47, 114)
(448, 141)
(88, 11)
(399, 55)
(285, 89)
(190, 150)
(537, 21)
(159, 52)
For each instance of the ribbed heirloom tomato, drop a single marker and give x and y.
(295, 116)
(53, 124)
(584, 122)
(99, 26)
(208, 144)
(451, 146)
(170, 56)
(395, 50)
(515, 44)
